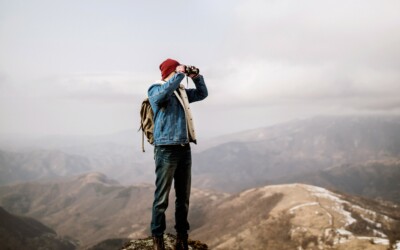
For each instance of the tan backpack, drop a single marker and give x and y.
(146, 122)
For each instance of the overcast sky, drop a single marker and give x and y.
(83, 67)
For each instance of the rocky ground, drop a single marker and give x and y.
(169, 239)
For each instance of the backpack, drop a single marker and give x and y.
(146, 122)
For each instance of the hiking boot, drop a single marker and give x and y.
(181, 242)
(158, 243)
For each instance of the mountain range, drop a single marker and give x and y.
(117, 155)
(266, 187)
(91, 208)
(39, 164)
(378, 180)
(290, 152)
(314, 151)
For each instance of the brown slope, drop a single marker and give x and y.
(297, 215)
(18, 232)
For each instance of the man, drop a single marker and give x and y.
(173, 131)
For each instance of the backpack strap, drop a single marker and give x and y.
(143, 142)
(141, 128)
(141, 125)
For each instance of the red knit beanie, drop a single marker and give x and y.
(167, 67)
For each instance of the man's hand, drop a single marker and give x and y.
(180, 69)
(185, 69)
(194, 72)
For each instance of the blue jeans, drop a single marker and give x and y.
(173, 162)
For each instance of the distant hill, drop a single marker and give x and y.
(39, 164)
(19, 232)
(282, 152)
(378, 180)
(52, 157)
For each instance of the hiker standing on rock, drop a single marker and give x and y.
(173, 132)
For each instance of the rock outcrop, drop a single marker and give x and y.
(169, 239)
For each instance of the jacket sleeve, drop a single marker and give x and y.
(200, 92)
(161, 93)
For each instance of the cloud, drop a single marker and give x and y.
(343, 54)
(102, 86)
(266, 82)
(362, 32)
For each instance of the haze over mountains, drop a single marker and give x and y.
(97, 188)
(284, 152)
(39, 164)
(117, 155)
(328, 151)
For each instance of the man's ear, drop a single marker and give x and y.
(169, 76)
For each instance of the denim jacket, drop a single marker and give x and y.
(169, 116)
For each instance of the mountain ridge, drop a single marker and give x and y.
(304, 146)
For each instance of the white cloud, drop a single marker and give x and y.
(94, 86)
(331, 53)
(266, 82)
(103, 84)
(362, 32)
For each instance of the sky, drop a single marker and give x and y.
(83, 67)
